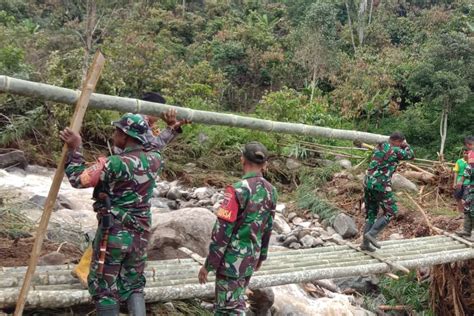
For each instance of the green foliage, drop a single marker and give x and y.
(307, 195)
(407, 291)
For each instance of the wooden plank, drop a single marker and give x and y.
(76, 122)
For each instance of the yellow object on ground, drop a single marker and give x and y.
(81, 270)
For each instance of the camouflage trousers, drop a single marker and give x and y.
(123, 272)
(230, 295)
(379, 199)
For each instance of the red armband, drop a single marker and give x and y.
(229, 208)
(91, 176)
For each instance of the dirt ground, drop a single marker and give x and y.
(17, 252)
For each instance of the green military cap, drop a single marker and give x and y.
(133, 125)
(255, 152)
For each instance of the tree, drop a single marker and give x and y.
(445, 78)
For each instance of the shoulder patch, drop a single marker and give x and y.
(229, 208)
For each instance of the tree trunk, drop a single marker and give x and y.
(107, 102)
(350, 26)
(370, 12)
(361, 18)
(313, 86)
(443, 130)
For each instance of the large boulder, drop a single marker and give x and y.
(12, 158)
(400, 183)
(345, 226)
(280, 225)
(189, 227)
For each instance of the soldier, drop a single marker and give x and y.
(123, 204)
(241, 233)
(468, 197)
(378, 186)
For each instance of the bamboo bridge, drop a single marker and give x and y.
(53, 286)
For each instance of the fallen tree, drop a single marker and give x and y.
(107, 102)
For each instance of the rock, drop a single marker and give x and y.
(12, 158)
(291, 216)
(318, 242)
(301, 233)
(280, 238)
(345, 226)
(189, 227)
(162, 189)
(297, 220)
(330, 230)
(293, 164)
(172, 205)
(185, 195)
(189, 204)
(280, 225)
(205, 202)
(203, 193)
(217, 198)
(305, 224)
(289, 240)
(308, 241)
(362, 284)
(396, 236)
(67, 203)
(400, 183)
(52, 259)
(160, 203)
(336, 236)
(261, 301)
(295, 245)
(173, 194)
(280, 208)
(292, 300)
(40, 200)
(344, 163)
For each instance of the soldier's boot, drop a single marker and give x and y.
(107, 310)
(378, 226)
(466, 232)
(365, 245)
(136, 304)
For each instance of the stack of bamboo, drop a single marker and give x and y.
(54, 287)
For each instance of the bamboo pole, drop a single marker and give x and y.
(107, 102)
(76, 122)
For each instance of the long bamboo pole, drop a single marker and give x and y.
(107, 102)
(76, 122)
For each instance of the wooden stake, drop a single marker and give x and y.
(76, 122)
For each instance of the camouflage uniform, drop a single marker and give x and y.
(469, 191)
(240, 240)
(378, 180)
(128, 179)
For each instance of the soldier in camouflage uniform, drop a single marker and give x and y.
(241, 233)
(128, 179)
(468, 198)
(378, 186)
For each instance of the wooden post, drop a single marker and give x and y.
(76, 122)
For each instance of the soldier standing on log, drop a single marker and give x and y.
(241, 233)
(378, 186)
(127, 180)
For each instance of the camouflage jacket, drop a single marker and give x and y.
(383, 164)
(469, 192)
(243, 228)
(128, 179)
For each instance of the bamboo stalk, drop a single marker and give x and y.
(107, 102)
(76, 122)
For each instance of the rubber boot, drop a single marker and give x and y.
(136, 305)
(466, 232)
(81, 270)
(375, 230)
(365, 245)
(108, 310)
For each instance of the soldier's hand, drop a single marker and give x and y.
(169, 117)
(71, 138)
(202, 275)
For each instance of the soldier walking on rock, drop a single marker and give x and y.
(241, 233)
(378, 186)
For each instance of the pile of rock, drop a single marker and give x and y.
(171, 196)
(299, 232)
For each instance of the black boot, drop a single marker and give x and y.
(376, 228)
(466, 232)
(109, 310)
(136, 305)
(365, 245)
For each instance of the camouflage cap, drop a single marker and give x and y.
(255, 152)
(133, 125)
